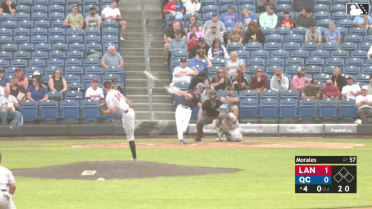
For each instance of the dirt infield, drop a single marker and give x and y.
(117, 170)
(224, 145)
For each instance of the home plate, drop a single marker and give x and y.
(88, 172)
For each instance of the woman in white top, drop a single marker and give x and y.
(217, 50)
(192, 6)
(234, 64)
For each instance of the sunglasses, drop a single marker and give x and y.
(220, 72)
(260, 71)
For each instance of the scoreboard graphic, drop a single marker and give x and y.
(325, 174)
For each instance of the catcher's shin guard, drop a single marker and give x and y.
(132, 146)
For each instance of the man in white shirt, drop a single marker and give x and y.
(8, 106)
(364, 104)
(113, 13)
(279, 82)
(94, 92)
(7, 188)
(183, 73)
(351, 90)
(192, 6)
(268, 19)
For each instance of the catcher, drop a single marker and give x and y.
(227, 126)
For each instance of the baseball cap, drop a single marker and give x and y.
(92, 8)
(95, 80)
(213, 25)
(365, 87)
(1, 70)
(36, 73)
(278, 71)
(183, 60)
(214, 14)
(171, 18)
(230, 6)
(201, 39)
(114, 80)
(177, 32)
(300, 69)
(350, 77)
(17, 69)
(329, 82)
(200, 86)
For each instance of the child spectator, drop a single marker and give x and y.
(287, 22)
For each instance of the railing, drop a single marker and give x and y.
(147, 57)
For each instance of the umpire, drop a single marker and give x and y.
(210, 107)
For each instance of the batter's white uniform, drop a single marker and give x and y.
(94, 94)
(183, 113)
(115, 99)
(6, 178)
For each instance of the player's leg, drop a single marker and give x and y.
(123, 26)
(128, 123)
(186, 119)
(178, 115)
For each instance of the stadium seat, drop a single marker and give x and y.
(89, 110)
(367, 70)
(180, 54)
(22, 16)
(299, 30)
(57, 55)
(280, 54)
(57, 16)
(218, 62)
(353, 38)
(260, 54)
(314, 61)
(310, 46)
(269, 108)
(22, 55)
(358, 31)
(314, 69)
(300, 53)
(57, 24)
(92, 39)
(4, 63)
(74, 95)
(208, 2)
(40, 55)
(289, 94)
(351, 70)
(250, 7)
(365, 45)
(344, 23)
(275, 61)
(56, 8)
(248, 94)
(92, 31)
(257, 61)
(340, 54)
(323, 54)
(294, 38)
(329, 46)
(270, 69)
(354, 61)
(347, 109)
(322, 15)
(327, 109)
(329, 69)
(39, 16)
(75, 55)
(19, 63)
(290, 46)
(56, 63)
(269, 94)
(87, 78)
(253, 46)
(76, 39)
(271, 46)
(283, 31)
(73, 78)
(5, 32)
(274, 38)
(308, 109)
(42, 47)
(4, 55)
(9, 24)
(324, 22)
(29, 110)
(364, 78)
(321, 7)
(41, 24)
(210, 8)
(26, 47)
(359, 54)
(6, 40)
(74, 62)
(92, 62)
(23, 9)
(335, 61)
(31, 70)
(349, 46)
(248, 108)
(322, 77)
(49, 110)
(25, 24)
(288, 108)
(94, 70)
(294, 61)
(338, 8)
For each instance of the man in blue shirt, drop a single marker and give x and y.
(362, 21)
(332, 35)
(230, 17)
(200, 62)
(4, 81)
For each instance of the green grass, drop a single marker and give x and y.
(266, 179)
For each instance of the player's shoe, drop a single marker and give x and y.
(135, 160)
(197, 140)
(358, 121)
(182, 141)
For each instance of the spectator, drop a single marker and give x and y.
(115, 85)
(183, 73)
(202, 77)
(94, 92)
(213, 34)
(173, 6)
(246, 17)
(170, 33)
(4, 81)
(311, 90)
(351, 90)
(369, 86)
(332, 35)
(57, 82)
(200, 62)
(231, 100)
(36, 91)
(217, 50)
(194, 30)
(234, 64)
(268, 19)
(338, 79)
(220, 80)
(17, 90)
(298, 82)
(305, 19)
(287, 21)
(239, 83)
(8, 7)
(313, 35)
(369, 52)
(74, 19)
(214, 21)
(299, 5)
(279, 82)
(192, 6)
(8, 109)
(230, 18)
(23, 81)
(364, 104)
(113, 13)
(202, 46)
(193, 41)
(168, 29)
(254, 33)
(259, 81)
(237, 34)
(193, 21)
(93, 19)
(362, 21)
(37, 74)
(177, 44)
(112, 58)
(330, 91)
(263, 4)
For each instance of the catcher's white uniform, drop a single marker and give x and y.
(114, 99)
(227, 124)
(6, 178)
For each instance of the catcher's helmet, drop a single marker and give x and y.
(200, 86)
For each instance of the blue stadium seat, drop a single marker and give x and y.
(226, 2)
(56, 8)
(75, 55)
(248, 108)
(354, 61)
(274, 38)
(300, 53)
(9, 24)
(9, 47)
(55, 63)
(349, 46)
(31, 70)
(308, 109)
(39, 31)
(208, 2)
(248, 94)
(314, 61)
(251, 69)
(294, 61)
(280, 53)
(72, 78)
(234, 47)
(335, 61)
(74, 63)
(109, 77)
(283, 31)
(320, 54)
(290, 46)
(269, 108)
(275, 61)
(253, 46)
(293, 94)
(109, 24)
(57, 16)
(310, 46)
(328, 109)
(340, 54)
(329, 46)
(365, 45)
(345, 23)
(269, 94)
(110, 31)
(314, 69)
(322, 15)
(359, 54)
(294, 38)
(26, 47)
(92, 39)
(4, 55)
(368, 62)
(75, 31)
(22, 55)
(39, 8)
(218, 62)
(29, 110)
(288, 108)
(358, 31)
(362, 78)
(321, 7)
(267, 31)
(257, 61)
(42, 47)
(22, 16)
(270, 69)
(338, 15)
(324, 22)
(21, 32)
(94, 46)
(94, 70)
(299, 30)
(5, 32)
(92, 62)
(107, 39)
(23, 9)
(49, 110)
(25, 24)
(353, 38)
(19, 63)
(260, 54)
(41, 63)
(76, 39)
(271, 46)
(338, 8)
(92, 31)
(57, 24)
(57, 55)
(207, 16)
(347, 109)
(75, 87)
(283, 7)
(351, 70)
(242, 54)
(39, 16)
(341, 1)
(21, 39)
(180, 54)
(39, 39)
(5, 17)
(365, 69)
(322, 77)
(5, 40)
(57, 39)
(329, 69)
(87, 78)
(241, 2)
(74, 95)
(74, 69)
(210, 8)
(42, 24)
(250, 7)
